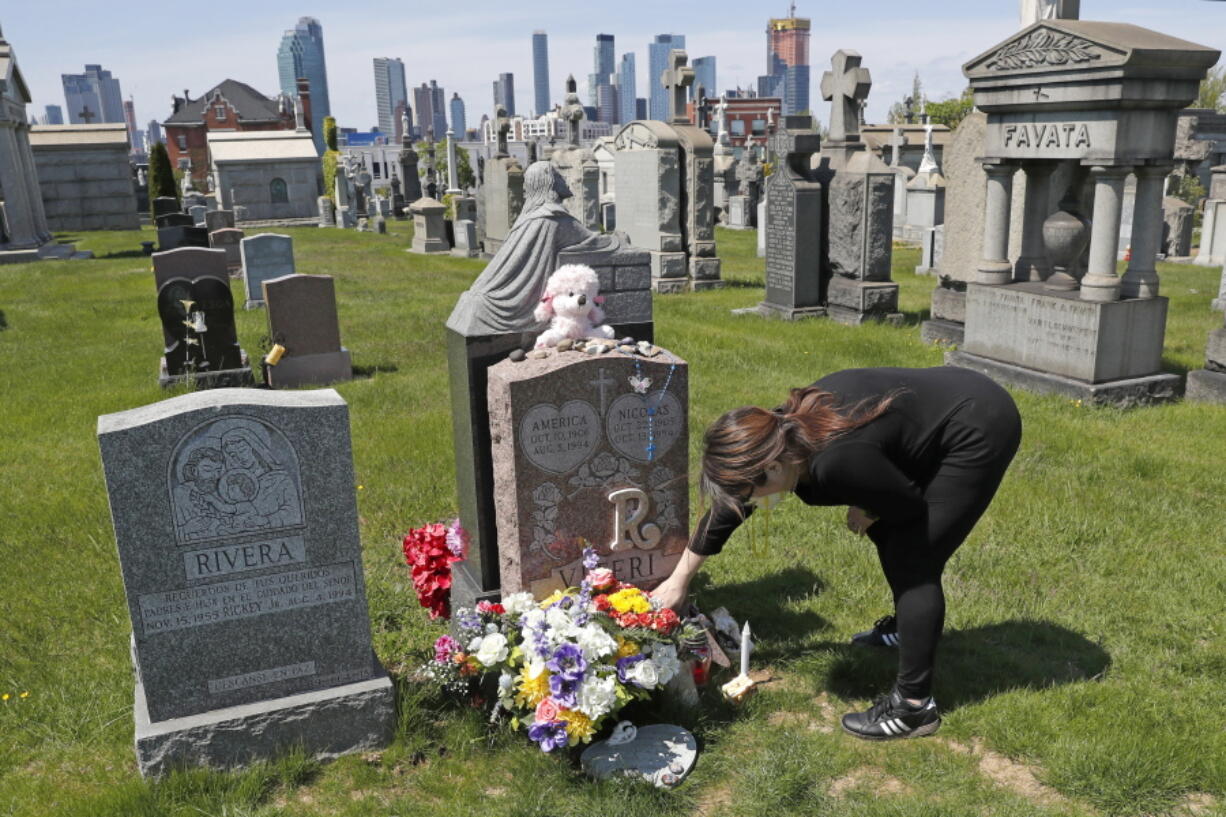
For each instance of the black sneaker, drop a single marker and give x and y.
(892, 717)
(883, 634)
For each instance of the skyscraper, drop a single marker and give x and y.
(602, 72)
(540, 72)
(153, 132)
(459, 122)
(92, 97)
(302, 55)
(504, 93)
(136, 139)
(53, 115)
(431, 110)
(626, 89)
(390, 93)
(657, 62)
(704, 75)
(787, 62)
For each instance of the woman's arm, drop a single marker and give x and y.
(709, 537)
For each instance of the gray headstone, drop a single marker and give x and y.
(465, 239)
(189, 262)
(302, 318)
(165, 205)
(264, 256)
(175, 219)
(197, 212)
(236, 526)
(228, 239)
(327, 212)
(219, 219)
(794, 224)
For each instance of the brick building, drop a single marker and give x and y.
(231, 106)
(748, 116)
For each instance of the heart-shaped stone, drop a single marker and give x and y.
(558, 440)
(632, 416)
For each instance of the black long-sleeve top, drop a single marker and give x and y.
(880, 466)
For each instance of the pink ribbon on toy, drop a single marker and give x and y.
(599, 299)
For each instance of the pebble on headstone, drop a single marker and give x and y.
(236, 526)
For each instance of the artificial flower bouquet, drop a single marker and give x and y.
(564, 666)
(430, 551)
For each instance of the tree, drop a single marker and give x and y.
(467, 177)
(330, 158)
(161, 175)
(330, 132)
(1213, 90)
(898, 111)
(950, 112)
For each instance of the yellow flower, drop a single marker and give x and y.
(532, 690)
(626, 648)
(630, 600)
(24, 695)
(4, 697)
(579, 727)
(557, 596)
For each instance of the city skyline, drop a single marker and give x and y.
(303, 54)
(935, 43)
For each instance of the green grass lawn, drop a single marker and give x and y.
(1082, 670)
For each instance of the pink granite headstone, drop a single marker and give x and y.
(569, 437)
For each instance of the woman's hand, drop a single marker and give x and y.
(859, 520)
(672, 592)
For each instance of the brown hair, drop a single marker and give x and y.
(740, 444)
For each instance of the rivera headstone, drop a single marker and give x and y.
(236, 526)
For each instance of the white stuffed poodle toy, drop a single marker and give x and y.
(571, 304)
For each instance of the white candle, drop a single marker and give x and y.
(746, 647)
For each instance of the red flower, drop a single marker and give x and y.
(602, 603)
(429, 560)
(488, 607)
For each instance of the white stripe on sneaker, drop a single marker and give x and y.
(890, 639)
(885, 726)
(901, 725)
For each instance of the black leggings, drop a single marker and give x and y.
(978, 441)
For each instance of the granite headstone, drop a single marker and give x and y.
(264, 256)
(589, 448)
(302, 318)
(236, 527)
(229, 239)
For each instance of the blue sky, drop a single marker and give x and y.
(158, 49)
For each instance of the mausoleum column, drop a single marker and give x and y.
(1101, 283)
(994, 267)
(1032, 263)
(37, 213)
(22, 232)
(1141, 278)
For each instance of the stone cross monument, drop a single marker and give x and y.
(844, 87)
(677, 79)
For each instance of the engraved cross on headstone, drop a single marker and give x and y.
(844, 87)
(795, 141)
(677, 79)
(502, 127)
(601, 382)
(87, 115)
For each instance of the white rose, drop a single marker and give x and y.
(644, 673)
(559, 622)
(664, 656)
(493, 649)
(595, 642)
(519, 603)
(597, 696)
(474, 644)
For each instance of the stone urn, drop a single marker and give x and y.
(1065, 235)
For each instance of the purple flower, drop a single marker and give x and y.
(467, 619)
(564, 690)
(444, 648)
(624, 665)
(550, 735)
(568, 662)
(590, 559)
